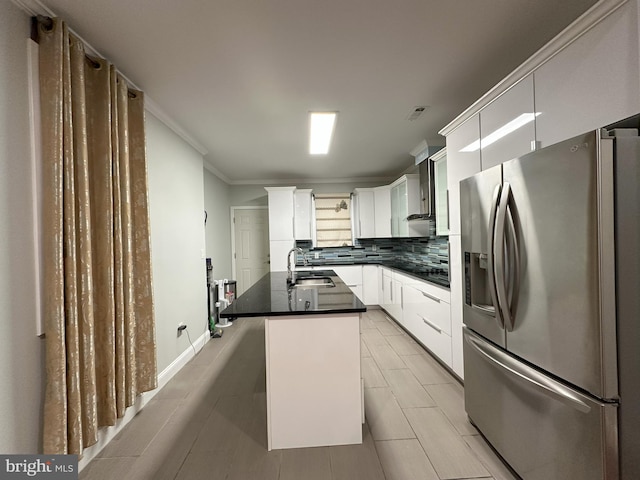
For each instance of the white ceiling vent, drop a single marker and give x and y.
(416, 113)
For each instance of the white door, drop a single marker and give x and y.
(251, 229)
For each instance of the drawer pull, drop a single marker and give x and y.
(431, 324)
(434, 298)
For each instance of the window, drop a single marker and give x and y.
(333, 220)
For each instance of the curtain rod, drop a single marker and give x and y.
(47, 22)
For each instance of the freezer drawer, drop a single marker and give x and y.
(545, 430)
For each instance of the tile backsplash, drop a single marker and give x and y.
(431, 252)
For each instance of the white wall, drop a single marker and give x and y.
(21, 352)
(176, 209)
(218, 230)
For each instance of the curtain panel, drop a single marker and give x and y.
(98, 303)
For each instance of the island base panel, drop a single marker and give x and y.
(313, 380)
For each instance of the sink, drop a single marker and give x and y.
(313, 282)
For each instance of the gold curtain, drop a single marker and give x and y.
(99, 321)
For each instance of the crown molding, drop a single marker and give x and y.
(309, 181)
(35, 7)
(592, 17)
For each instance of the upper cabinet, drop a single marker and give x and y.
(303, 214)
(281, 212)
(364, 211)
(508, 125)
(382, 211)
(591, 83)
(441, 192)
(463, 160)
(405, 201)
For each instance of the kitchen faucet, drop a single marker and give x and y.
(304, 260)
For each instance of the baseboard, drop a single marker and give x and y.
(106, 434)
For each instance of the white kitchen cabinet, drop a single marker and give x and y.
(456, 292)
(422, 308)
(278, 250)
(398, 209)
(382, 211)
(441, 191)
(364, 212)
(351, 275)
(405, 201)
(463, 160)
(386, 301)
(508, 125)
(592, 82)
(281, 212)
(370, 285)
(281, 225)
(303, 214)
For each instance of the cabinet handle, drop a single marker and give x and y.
(401, 296)
(448, 226)
(431, 324)
(436, 299)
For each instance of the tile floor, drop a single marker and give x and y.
(209, 422)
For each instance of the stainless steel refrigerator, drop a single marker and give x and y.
(550, 246)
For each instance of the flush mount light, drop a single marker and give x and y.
(501, 132)
(321, 131)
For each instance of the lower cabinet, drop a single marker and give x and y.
(423, 309)
(370, 285)
(351, 275)
(426, 315)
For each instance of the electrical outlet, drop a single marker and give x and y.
(316, 255)
(181, 327)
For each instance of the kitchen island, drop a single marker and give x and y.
(312, 343)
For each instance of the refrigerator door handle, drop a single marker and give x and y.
(491, 260)
(513, 250)
(524, 373)
(500, 258)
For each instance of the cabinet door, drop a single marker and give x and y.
(508, 125)
(399, 210)
(387, 291)
(365, 226)
(382, 210)
(281, 213)
(397, 300)
(303, 215)
(592, 82)
(442, 194)
(463, 160)
(351, 275)
(370, 284)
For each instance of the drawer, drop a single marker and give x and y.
(434, 292)
(438, 342)
(425, 308)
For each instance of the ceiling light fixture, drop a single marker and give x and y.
(321, 131)
(501, 132)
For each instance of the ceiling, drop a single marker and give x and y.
(240, 76)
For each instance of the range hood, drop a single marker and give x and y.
(427, 182)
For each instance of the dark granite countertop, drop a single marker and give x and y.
(439, 276)
(272, 296)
